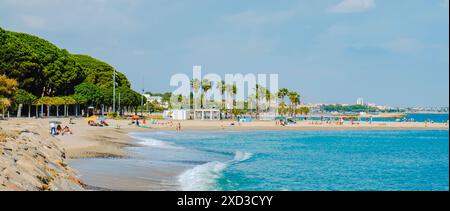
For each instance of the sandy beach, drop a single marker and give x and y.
(109, 142)
(88, 142)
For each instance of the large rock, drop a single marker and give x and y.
(32, 162)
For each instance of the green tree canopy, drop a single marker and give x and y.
(89, 93)
(129, 97)
(100, 73)
(24, 97)
(43, 69)
(349, 108)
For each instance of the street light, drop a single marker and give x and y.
(114, 91)
(142, 103)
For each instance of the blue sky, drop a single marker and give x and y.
(331, 51)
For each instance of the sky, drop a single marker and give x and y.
(331, 51)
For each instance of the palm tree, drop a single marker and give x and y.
(305, 110)
(263, 93)
(268, 98)
(282, 94)
(258, 97)
(195, 87)
(222, 88)
(282, 108)
(294, 97)
(232, 91)
(206, 86)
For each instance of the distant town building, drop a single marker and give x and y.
(360, 101)
(157, 100)
(153, 99)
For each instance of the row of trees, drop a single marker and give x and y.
(45, 75)
(86, 95)
(261, 94)
(292, 109)
(349, 108)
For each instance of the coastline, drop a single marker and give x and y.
(111, 142)
(108, 142)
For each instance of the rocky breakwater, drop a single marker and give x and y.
(30, 161)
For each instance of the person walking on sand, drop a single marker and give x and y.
(179, 127)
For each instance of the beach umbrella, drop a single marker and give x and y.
(92, 118)
(135, 117)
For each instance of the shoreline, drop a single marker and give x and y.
(108, 142)
(111, 142)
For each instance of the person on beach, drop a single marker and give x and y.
(52, 128)
(66, 130)
(58, 130)
(179, 127)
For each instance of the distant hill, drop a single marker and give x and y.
(42, 68)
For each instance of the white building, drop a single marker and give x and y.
(187, 114)
(154, 99)
(207, 114)
(360, 101)
(177, 114)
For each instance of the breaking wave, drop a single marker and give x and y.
(204, 177)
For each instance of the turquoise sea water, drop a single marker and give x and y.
(304, 160)
(437, 118)
(428, 117)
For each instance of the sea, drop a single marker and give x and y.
(372, 160)
(415, 117)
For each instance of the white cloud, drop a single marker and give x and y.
(63, 15)
(350, 6)
(34, 21)
(258, 18)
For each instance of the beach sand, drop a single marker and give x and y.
(109, 142)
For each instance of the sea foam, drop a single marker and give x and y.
(204, 177)
(151, 142)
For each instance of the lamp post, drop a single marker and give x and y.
(114, 91)
(142, 102)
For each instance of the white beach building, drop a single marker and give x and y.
(177, 114)
(187, 114)
(207, 114)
